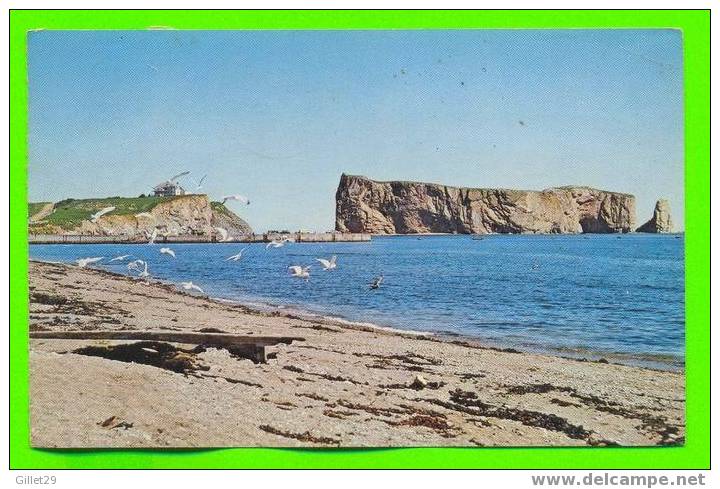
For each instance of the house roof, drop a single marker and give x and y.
(165, 185)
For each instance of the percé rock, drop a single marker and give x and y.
(660, 221)
(368, 206)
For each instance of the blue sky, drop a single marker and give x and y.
(278, 116)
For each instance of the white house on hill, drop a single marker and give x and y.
(168, 189)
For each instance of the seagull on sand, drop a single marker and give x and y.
(278, 243)
(236, 257)
(240, 198)
(101, 213)
(167, 251)
(120, 258)
(83, 262)
(328, 264)
(375, 284)
(300, 272)
(191, 286)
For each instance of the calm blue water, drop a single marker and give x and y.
(585, 295)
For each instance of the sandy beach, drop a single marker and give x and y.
(340, 386)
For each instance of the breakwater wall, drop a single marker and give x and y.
(252, 238)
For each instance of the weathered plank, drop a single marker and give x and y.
(246, 346)
(220, 339)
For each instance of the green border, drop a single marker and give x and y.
(695, 454)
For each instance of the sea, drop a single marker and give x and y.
(593, 296)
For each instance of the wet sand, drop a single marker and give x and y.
(342, 386)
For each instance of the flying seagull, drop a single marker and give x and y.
(120, 258)
(145, 214)
(328, 264)
(136, 264)
(179, 175)
(167, 251)
(300, 272)
(278, 243)
(200, 183)
(375, 284)
(101, 213)
(240, 198)
(224, 236)
(152, 236)
(236, 257)
(83, 262)
(191, 286)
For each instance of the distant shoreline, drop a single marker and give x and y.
(67, 239)
(298, 237)
(526, 234)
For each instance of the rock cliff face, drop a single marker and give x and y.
(188, 215)
(367, 206)
(182, 216)
(660, 221)
(223, 217)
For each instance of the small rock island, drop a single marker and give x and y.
(660, 221)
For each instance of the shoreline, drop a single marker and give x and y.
(261, 305)
(650, 361)
(342, 385)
